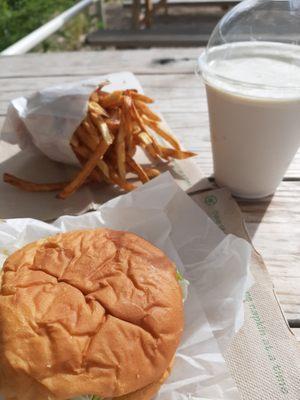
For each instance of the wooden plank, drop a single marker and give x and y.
(173, 93)
(274, 226)
(186, 3)
(156, 36)
(150, 61)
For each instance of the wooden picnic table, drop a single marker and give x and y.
(168, 76)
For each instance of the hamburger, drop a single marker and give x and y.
(92, 312)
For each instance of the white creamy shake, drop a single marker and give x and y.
(254, 109)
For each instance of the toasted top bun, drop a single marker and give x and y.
(149, 391)
(87, 312)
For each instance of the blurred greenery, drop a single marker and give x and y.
(20, 17)
(69, 38)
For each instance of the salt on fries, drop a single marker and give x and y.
(106, 141)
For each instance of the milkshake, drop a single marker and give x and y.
(253, 93)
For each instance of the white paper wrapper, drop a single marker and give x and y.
(215, 264)
(48, 118)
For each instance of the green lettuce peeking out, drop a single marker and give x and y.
(183, 284)
(179, 277)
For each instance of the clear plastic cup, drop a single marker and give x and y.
(251, 70)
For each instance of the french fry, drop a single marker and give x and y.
(90, 141)
(90, 128)
(178, 154)
(144, 109)
(142, 135)
(138, 169)
(97, 93)
(85, 172)
(131, 150)
(112, 100)
(128, 92)
(161, 132)
(107, 136)
(155, 144)
(102, 165)
(151, 146)
(115, 114)
(146, 142)
(128, 125)
(81, 152)
(120, 150)
(151, 172)
(144, 139)
(127, 103)
(101, 128)
(113, 125)
(94, 97)
(84, 152)
(95, 176)
(94, 117)
(119, 181)
(102, 85)
(74, 141)
(97, 108)
(138, 119)
(141, 97)
(112, 163)
(28, 186)
(121, 137)
(130, 146)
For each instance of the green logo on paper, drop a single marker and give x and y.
(210, 200)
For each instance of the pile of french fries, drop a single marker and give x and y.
(107, 139)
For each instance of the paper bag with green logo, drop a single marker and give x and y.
(264, 356)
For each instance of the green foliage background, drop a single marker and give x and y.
(20, 17)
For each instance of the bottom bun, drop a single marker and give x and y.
(148, 392)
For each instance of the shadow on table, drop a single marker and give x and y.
(253, 212)
(34, 166)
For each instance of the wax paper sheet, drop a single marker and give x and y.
(215, 264)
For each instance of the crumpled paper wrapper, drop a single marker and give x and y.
(215, 264)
